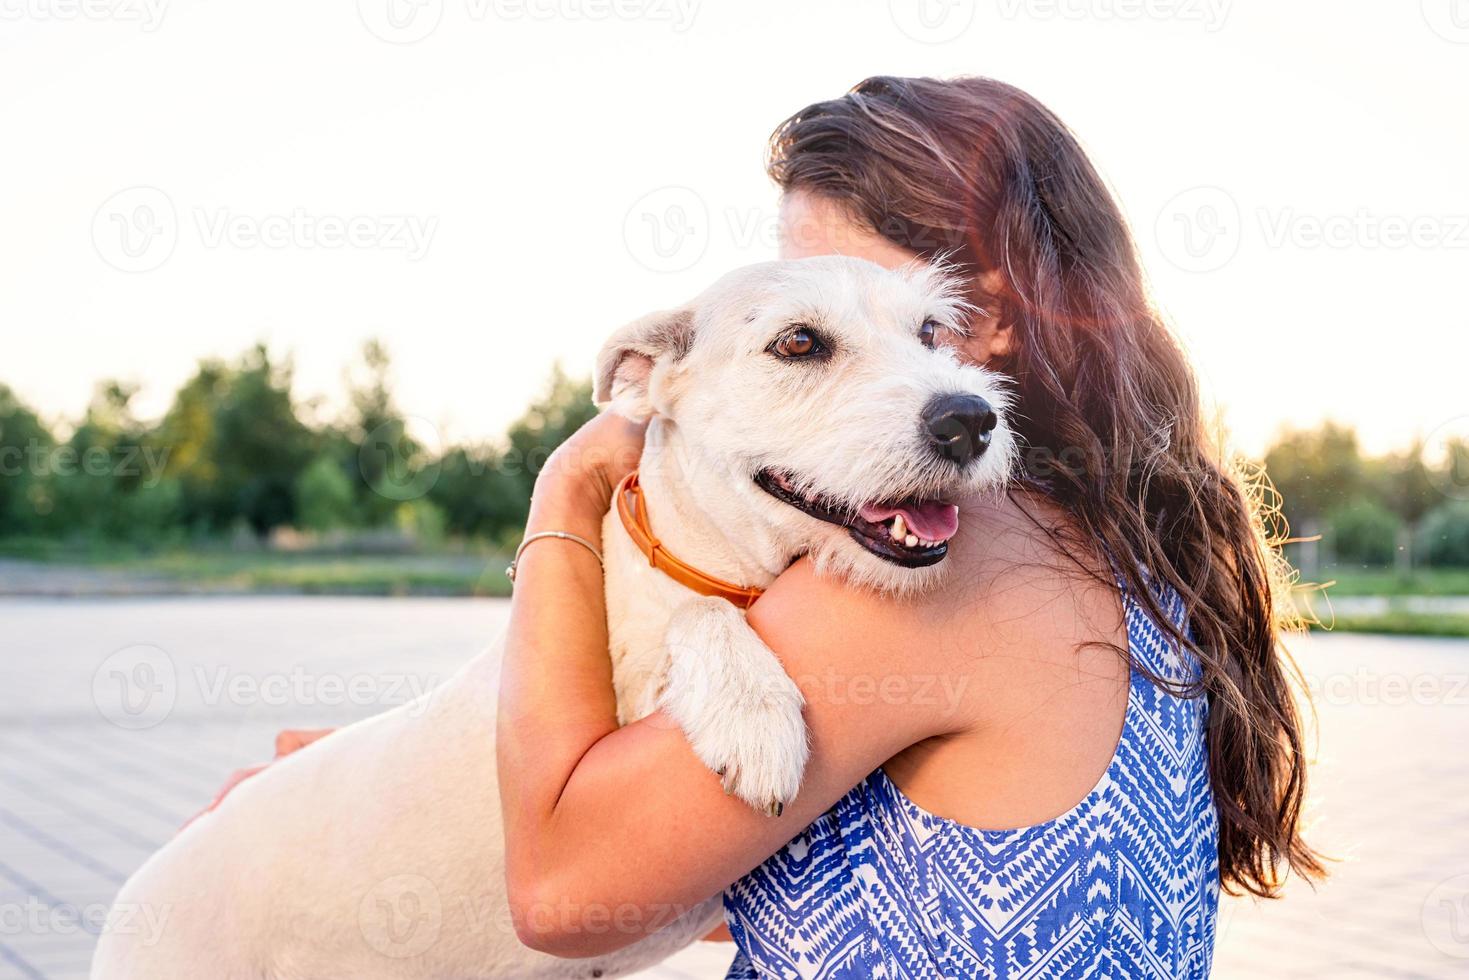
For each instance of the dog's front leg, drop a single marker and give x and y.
(735, 704)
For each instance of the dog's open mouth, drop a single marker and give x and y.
(911, 533)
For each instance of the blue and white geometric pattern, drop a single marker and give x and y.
(1125, 884)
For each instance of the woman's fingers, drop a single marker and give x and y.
(288, 741)
(293, 739)
(236, 778)
(599, 454)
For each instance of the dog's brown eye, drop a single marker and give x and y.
(797, 343)
(928, 334)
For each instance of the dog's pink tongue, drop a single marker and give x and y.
(931, 519)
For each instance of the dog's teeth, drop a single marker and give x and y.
(899, 529)
(911, 540)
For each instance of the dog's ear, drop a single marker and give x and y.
(628, 360)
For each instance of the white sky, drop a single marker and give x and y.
(521, 141)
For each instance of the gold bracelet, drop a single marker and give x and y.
(562, 535)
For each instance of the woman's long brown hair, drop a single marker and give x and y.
(1108, 407)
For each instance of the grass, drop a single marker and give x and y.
(332, 574)
(466, 572)
(1399, 622)
(1390, 582)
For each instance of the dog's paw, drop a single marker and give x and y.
(735, 704)
(758, 748)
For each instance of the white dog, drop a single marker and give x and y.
(799, 408)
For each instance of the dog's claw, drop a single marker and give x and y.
(728, 781)
(774, 808)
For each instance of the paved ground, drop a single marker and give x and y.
(118, 718)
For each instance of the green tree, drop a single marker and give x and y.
(1364, 533)
(325, 497)
(107, 483)
(25, 445)
(1405, 484)
(236, 445)
(487, 493)
(1443, 538)
(550, 420)
(478, 494)
(1316, 471)
(394, 466)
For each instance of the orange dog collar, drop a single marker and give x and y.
(634, 514)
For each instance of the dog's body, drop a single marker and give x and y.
(377, 853)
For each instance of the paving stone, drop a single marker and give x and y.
(84, 801)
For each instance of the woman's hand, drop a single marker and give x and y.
(601, 452)
(574, 490)
(286, 742)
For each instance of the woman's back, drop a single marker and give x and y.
(1125, 883)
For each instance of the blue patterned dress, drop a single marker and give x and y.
(1125, 884)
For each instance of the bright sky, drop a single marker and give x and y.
(491, 185)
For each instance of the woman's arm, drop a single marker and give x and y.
(612, 832)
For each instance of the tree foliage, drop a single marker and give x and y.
(233, 453)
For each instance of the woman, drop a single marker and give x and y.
(1046, 768)
(1106, 636)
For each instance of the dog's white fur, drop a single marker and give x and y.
(377, 852)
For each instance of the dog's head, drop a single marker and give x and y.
(818, 387)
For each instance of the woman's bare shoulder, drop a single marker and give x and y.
(1019, 582)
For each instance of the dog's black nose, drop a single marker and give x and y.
(959, 426)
